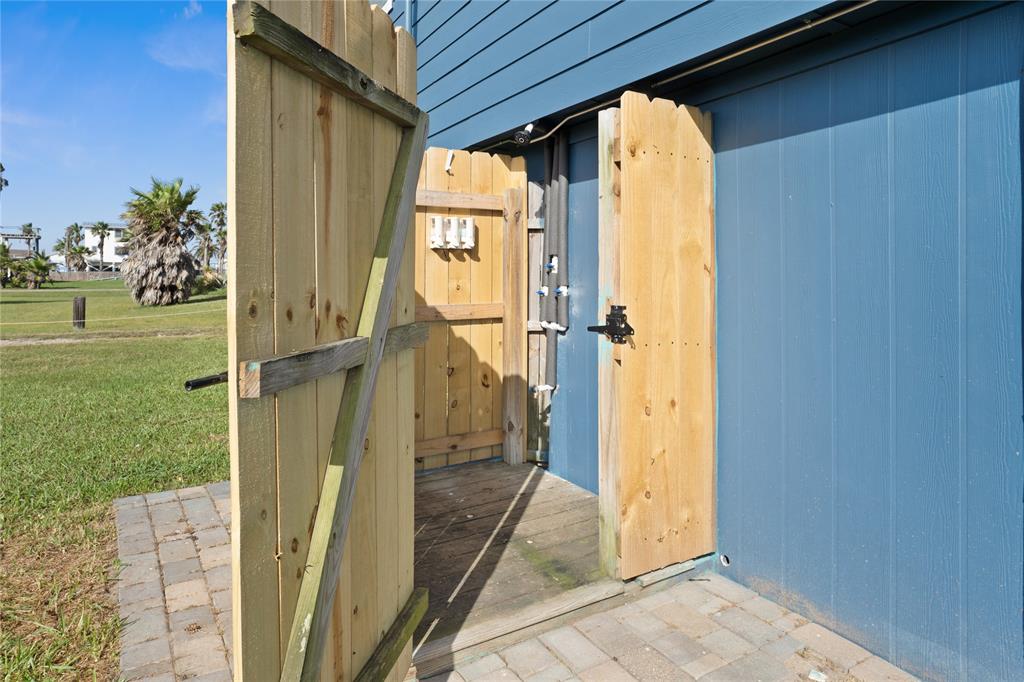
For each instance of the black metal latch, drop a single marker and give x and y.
(615, 326)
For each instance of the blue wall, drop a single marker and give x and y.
(488, 66)
(868, 207)
(572, 451)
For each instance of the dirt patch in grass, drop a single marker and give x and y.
(58, 611)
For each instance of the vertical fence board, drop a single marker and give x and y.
(385, 403)
(294, 307)
(330, 178)
(406, 307)
(362, 541)
(459, 348)
(435, 290)
(255, 629)
(481, 291)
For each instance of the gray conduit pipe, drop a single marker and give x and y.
(554, 307)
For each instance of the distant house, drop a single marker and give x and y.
(114, 250)
(21, 245)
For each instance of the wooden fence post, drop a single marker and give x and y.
(78, 312)
(514, 329)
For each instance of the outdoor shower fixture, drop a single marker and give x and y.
(449, 232)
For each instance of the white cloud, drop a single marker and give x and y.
(192, 9)
(190, 45)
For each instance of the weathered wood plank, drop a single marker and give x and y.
(460, 349)
(257, 26)
(384, 436)
(459, 443)
(359, 558)
(332, 163)
(449, 312)
(482, 265)
(258, 378)
(390, 648)
(308, 635)
(607, 369)
(253, 428)
(294, 308)
(405, 381)
(474, 201)
(514, 322)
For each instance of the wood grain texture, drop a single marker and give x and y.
(289, 43)
(514, 388)
(331, 167)
(475, 201)
(405, 305)
(481, 268)
(460, 348)
(459, 443)
(664, 380)
(252, 424)
(258, 378)
(609, 354)
(305, 221)
(454, 312)
(389, 651)
(460, 390)
(294, 218)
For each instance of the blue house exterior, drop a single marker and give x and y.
(868, 229)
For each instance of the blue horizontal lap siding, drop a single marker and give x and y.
(529, 58)
(870, 332)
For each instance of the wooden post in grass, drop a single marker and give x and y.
(78, 312)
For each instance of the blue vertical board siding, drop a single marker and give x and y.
(863, 271)
(806, 303)
(572, 450)
(868, 221)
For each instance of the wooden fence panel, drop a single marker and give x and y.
(460, 371)
(308, 174)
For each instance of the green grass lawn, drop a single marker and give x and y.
(80, 425)
(109, 311)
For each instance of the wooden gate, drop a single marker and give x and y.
(657, 392)
(323, 161)
(471, 375)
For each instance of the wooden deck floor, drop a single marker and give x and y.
(492, 539)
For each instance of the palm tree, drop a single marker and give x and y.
(72, 238)
(204, 247)
(102, 231)
(77, 257)
(219, 218)
(37, 270)
(159, 269)
(6, 264)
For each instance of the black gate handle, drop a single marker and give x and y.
(615, 326)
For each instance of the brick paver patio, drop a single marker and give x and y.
(175, 594)
(705, 627)
(175, 585)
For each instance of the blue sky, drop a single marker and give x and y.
(96, 97)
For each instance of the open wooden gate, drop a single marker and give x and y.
(324, 154)
(657, 390)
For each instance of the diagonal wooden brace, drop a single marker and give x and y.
(316, 595)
